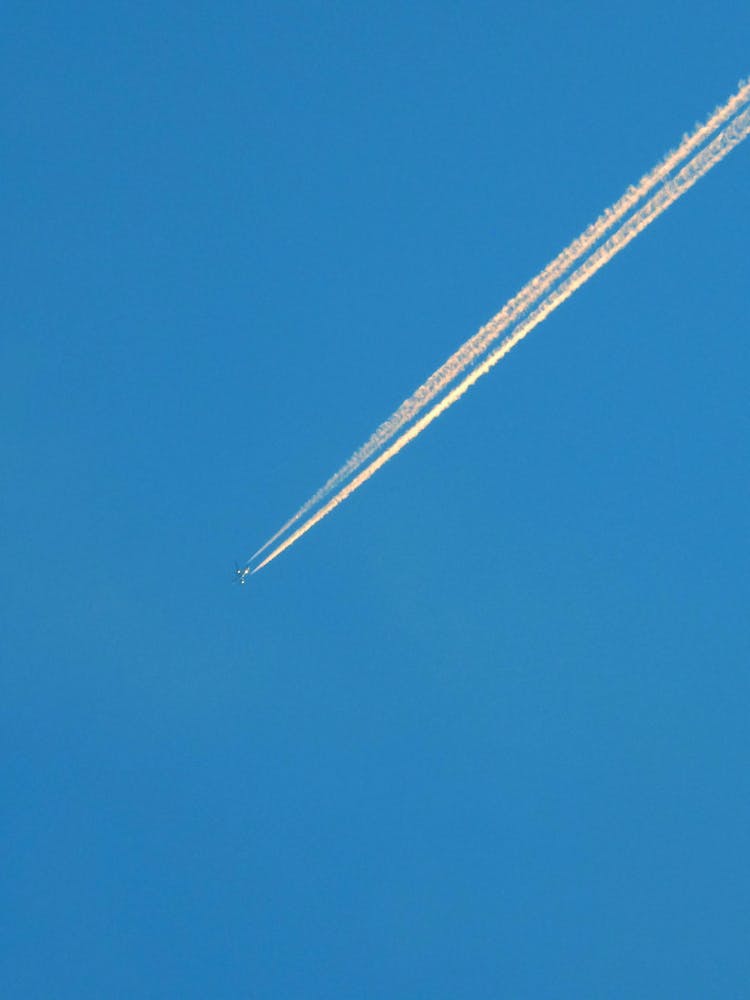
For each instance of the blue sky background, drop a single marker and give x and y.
(483, 732)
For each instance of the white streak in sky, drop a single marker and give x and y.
(548, 291)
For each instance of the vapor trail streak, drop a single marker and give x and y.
(673, 189)
(517, 306)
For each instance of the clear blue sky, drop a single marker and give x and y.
(483, 732)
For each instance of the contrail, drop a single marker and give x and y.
(517, 306)
(673, 189)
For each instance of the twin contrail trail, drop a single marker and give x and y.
(547, 291)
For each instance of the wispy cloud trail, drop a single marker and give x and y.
(703, 161)
(516, 307)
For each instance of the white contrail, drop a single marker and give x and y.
(672, 189)
(518, 305)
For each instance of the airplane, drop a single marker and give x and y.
(241, 574)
